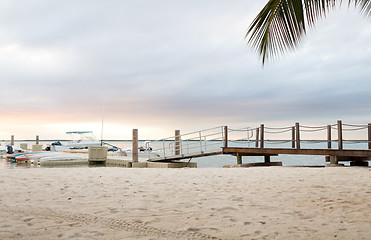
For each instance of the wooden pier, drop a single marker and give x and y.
(228, 144)
(333, 155)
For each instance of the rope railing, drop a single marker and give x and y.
(354, 129)
(355, 125)
(278, 128)
(307, 129)
(274, 132)
(316, 127)
(312, 130)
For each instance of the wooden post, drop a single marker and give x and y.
(293, 137)
(37, 140)
(239, 159)
(261, 135)
(340, 135)
(225, 136)
(329, 136)
(297, 129)
(134, 149)
(257, 138)
(369, 136)
(267, 159)
(334, 160)
(12, 140)
(177, 142)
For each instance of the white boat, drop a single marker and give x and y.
(54, 156)
(80, 140)
(143, 151)
(64, 157)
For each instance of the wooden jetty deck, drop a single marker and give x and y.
(222, 134)
(275, 151)
(357, 157)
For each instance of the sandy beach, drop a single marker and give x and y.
(239, 203)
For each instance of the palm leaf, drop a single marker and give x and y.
(281, 24)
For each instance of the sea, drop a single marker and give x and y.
(218, 161)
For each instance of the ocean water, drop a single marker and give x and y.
(218, 161)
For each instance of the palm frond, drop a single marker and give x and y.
(281, 24)
(365, 6)
(277, 27)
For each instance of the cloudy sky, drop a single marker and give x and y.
(164, 65)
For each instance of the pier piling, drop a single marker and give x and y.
(135, 146)
(261, 135)
(297, 129)
(225, 128)
(293, 137)
(239, 159)
(340, 135)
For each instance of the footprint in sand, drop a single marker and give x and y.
(226, 209)
(113, 210)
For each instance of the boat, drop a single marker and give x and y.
(9, 149)
(25, 156)
(143, 151)
(80, 140)
(46, 156)
(63, 157)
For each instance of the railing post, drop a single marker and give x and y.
(297, 129)
(163, 146)
(187, 146)
(134, 149)
(225, 136)
(205, 148)
(12, 140)
(293, 137)
(329, 136)
(37, 139)
(261, 135)
(199, 133)
(257, 138)
(340, 135)
(369, 136)
(177, 142)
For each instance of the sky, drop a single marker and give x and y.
(163, 65)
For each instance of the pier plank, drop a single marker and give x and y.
(275, 151)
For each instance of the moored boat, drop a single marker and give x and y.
(80, 140)
(143, 151)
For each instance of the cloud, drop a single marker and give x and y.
(165, 64)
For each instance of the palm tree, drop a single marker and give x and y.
(281, 24)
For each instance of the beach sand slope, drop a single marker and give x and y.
(239, 203)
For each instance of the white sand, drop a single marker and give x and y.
(249, 203)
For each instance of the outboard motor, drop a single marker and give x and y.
(9, 149)
(57, 143)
